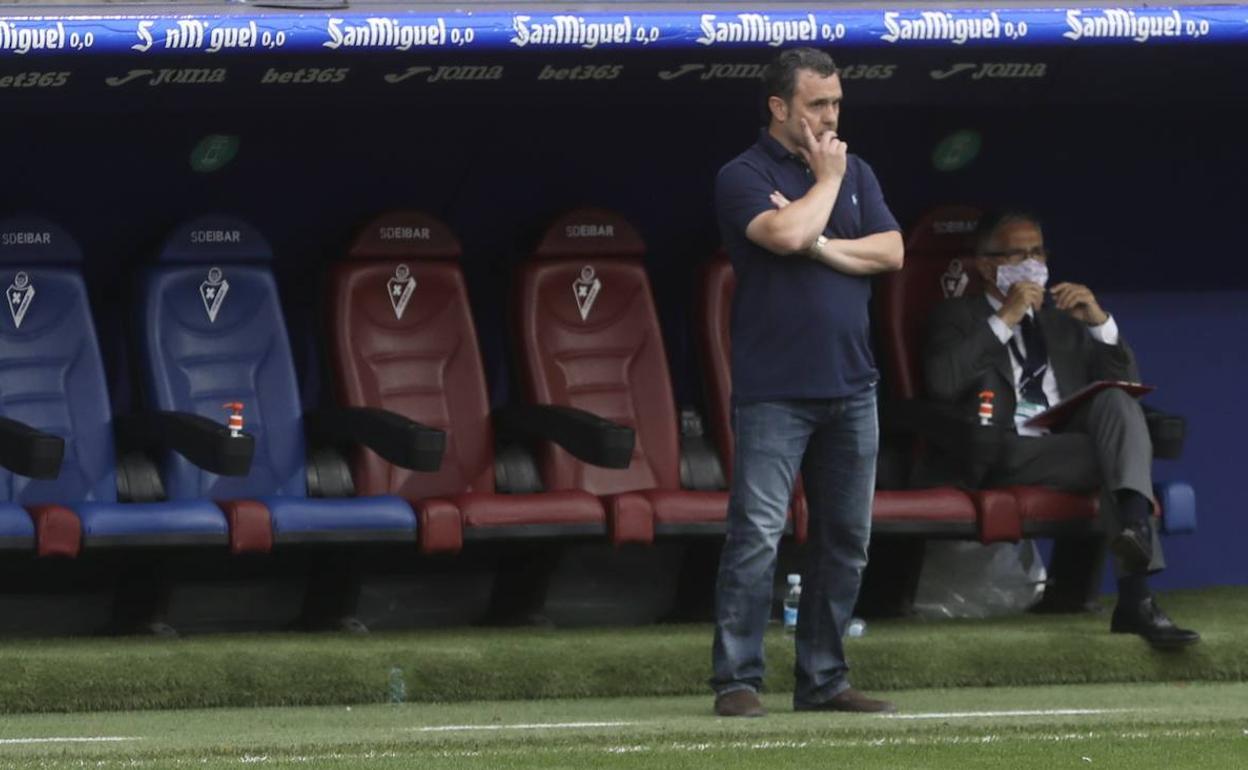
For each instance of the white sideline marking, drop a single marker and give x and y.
(100, 739)
(1018, 713)
(543, 726)
(875, 743)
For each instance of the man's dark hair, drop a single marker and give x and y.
(992, 222)
(780, 75)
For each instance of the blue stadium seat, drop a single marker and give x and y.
(212, 332)
(52, 381)
(1177, 501)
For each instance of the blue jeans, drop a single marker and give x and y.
(834, 442)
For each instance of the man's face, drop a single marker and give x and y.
(815, 98)
(1010, 245)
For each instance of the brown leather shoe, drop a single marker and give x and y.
(739, 703)
(850, 700)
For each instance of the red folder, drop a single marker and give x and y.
(1059, 413)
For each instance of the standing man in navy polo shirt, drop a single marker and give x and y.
(806, 226)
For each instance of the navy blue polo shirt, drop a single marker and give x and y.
(799, 328)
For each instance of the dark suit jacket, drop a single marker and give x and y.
(963, 356)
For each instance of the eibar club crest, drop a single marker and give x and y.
(586, 289)
(953, 281)
(20, 293)
(213, 291)
(400, 288)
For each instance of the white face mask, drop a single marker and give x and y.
(1031, 270)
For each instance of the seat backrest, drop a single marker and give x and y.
(713, 325)
(938, 266)
(51, 372)
(402, 338)
(589, 337)
(212, 332)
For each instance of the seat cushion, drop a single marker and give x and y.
(923, 508)
(999, 519)
(570, 512)
(938, 512)
(686, 512)
(58, 532)
(439, 526)
(630, 518)
(176, 522)
(382, 518)
(17, 531)
(250, 528)
(1044, 504)
(1044, 510)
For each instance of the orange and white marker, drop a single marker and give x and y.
(236, 418)
(985, 407)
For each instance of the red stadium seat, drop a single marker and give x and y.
(402, 339)
(937, 267)
(588, 337)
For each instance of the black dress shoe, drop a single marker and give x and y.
(1134, 547)
(1145, 618)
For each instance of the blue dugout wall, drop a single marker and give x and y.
(1118, 125)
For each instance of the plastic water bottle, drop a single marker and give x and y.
(856, 627)
(791, 600)
(397, 688)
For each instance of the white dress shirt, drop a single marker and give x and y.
(1106, 333)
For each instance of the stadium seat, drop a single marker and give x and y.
(936, 268)
(212, 333)
(588, 337)
(54, 400)
(402, 338)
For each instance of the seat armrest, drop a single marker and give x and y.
(1167, 431)
(944, 428)
(585, 436)
(403, 442)
(30, 452)
(206, 443)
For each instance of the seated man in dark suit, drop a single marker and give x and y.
(1031, 355)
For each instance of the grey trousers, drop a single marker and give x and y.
(1105, 446)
